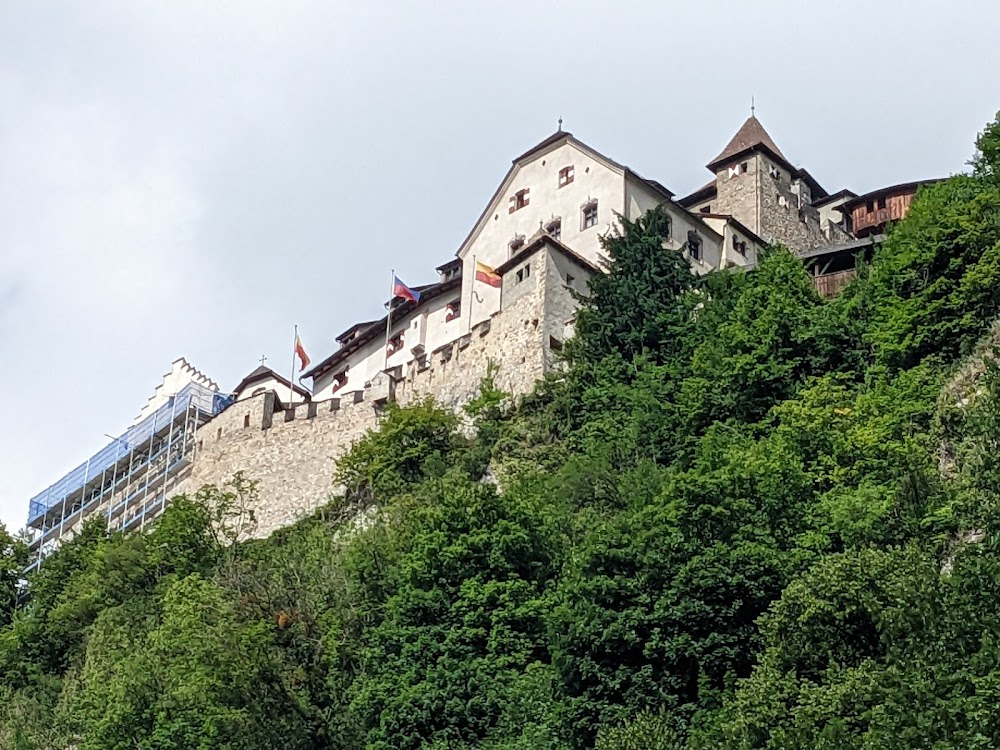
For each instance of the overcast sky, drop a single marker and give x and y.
(194, 177)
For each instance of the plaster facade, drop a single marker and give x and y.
(292, 453)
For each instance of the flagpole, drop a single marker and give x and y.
(291, 377)
(388, 318)
(472, 292)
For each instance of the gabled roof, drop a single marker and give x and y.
(903, 187)
(536, 244)
(709, 190)
(751, 135)
(399, 312)
(844, 194)
(266, 373)
(729, 218)
(453, 263)
(356, 327)
(548, 144)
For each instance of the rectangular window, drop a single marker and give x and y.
(590, 215)
(454, 310)
(554, 229)
(518, 200)
(523, 274)
(565, 176)
(694, 245)
(743, 167)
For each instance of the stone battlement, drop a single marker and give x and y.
(292, 452)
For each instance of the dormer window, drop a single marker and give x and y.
(589, 215)
(518, 200)
(339, 380)
(694, 245)
(453, 310)
(395, 343)
(565, 176)
(554, 229)
(516, 244)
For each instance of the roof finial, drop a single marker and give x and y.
(753, 108)
(560, 125)
(263, 359)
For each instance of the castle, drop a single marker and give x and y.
(505, 300)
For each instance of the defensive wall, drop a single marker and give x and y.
(292, 453)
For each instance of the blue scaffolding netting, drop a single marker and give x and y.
(207, 401)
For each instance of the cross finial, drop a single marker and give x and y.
(752, 108)
(560, 124)
(263, 358)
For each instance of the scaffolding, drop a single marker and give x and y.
(130, 480)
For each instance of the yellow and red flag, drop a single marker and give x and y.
(487, 275)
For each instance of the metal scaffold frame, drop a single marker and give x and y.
(130, 479)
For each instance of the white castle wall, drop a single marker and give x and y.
(293, 453)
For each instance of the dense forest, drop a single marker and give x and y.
(740, 516)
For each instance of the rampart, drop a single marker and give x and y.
(292, 453)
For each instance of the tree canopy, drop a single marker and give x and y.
(740, 516)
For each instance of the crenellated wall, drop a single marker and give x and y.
(293, 453)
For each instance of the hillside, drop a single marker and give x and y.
(741, 517)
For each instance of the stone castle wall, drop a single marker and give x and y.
(738, 196)
(293, 453)
(769, 206)
(783, 222)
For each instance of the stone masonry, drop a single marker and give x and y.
(292, 453)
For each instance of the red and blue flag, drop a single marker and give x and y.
(399, 289)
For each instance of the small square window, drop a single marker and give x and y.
(743, 167)
(565, 176)
(395, 343)
(518, 200)
(522, 274)
(590, 215)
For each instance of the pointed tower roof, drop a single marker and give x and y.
(751, 135)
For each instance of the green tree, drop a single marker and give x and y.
(638, 305)
(935, 283)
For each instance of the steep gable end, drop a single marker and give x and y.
(501, 201)
(181, 373)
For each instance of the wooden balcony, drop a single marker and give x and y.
(831, 284)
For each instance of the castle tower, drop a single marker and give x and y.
(759, 187)
(740, 170)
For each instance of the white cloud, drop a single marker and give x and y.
(194, 177)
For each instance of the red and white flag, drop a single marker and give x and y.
(300, 352)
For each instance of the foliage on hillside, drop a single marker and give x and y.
(741, 517)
